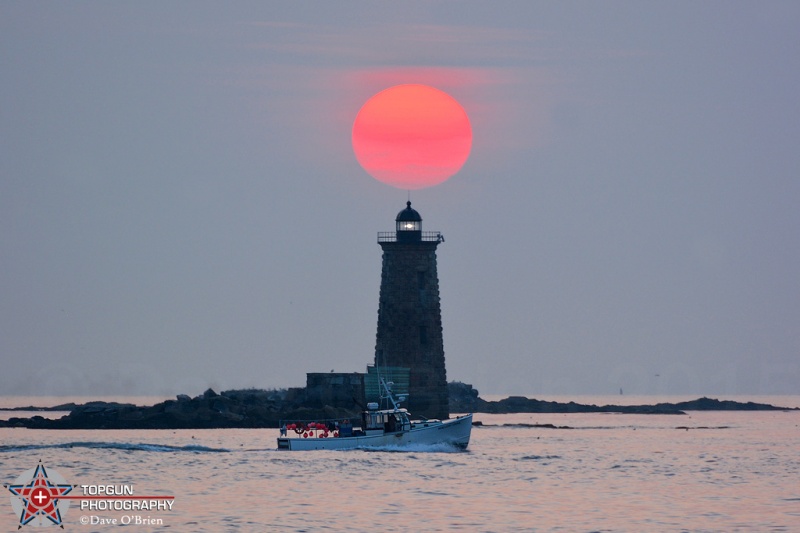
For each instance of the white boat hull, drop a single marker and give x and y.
(453, 432)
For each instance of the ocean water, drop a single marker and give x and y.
(704, 471)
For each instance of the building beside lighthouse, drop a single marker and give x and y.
(409, 334)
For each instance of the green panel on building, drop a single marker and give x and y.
(399, 376)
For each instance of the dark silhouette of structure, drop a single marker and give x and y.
(409, 314)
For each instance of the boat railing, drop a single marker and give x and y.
(317, 428)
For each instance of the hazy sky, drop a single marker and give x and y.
(180, 206)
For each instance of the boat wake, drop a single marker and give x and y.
(440, 447)
(137, 447)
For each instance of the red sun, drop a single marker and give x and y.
(412, 136)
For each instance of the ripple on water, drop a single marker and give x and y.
(596, 479)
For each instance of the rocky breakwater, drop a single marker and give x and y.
(465, 399)
(250, 408)
(256, 408)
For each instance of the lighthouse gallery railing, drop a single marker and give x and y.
(427, 236)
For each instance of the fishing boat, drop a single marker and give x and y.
(379, 428)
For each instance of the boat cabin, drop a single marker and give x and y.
(386, 421)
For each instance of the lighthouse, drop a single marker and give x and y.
(409, 313)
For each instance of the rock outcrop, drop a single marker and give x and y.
(465, 399)
(250, 408)
(255, 408)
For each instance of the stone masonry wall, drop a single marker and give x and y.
(410, 324)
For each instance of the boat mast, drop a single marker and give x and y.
(389, 395)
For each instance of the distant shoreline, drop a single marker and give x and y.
(67, 402)
(254, 408)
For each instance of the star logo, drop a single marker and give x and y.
(35, 497)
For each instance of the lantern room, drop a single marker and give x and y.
(408, 225)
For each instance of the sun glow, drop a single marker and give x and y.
(412, 136)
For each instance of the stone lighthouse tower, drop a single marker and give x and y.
(409, 314)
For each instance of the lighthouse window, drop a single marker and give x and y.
(408, 226)
(423, 335)
(421, 279)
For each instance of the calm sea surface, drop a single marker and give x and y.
(705, 471)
